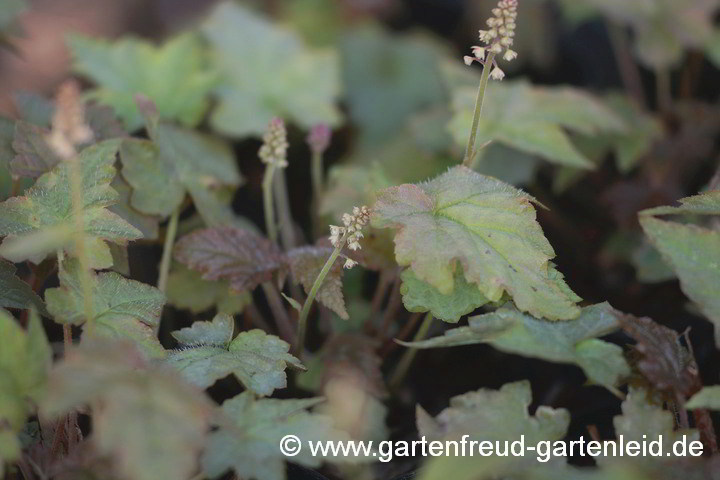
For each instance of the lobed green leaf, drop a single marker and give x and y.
(463, 220)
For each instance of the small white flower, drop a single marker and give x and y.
(497, 74)
(479, 52)
(510, 55)
(468, 60)
(349, 263)
(499, 36)
(351, 232)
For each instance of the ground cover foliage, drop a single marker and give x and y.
(307, 218)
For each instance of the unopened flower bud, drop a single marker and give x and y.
(319, 138)
(275, 145)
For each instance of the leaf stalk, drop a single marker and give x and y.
(166, 259)
(409, 355)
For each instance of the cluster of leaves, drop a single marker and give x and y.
(126, 401)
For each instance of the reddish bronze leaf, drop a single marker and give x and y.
(305, 265)
(244, 258)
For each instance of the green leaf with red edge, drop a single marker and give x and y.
(464, 220)
(305, 265)
(244, 258)
(47, 206)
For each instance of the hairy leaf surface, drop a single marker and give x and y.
(48, 204)
(121, 308)
(207, 354)
(463, 220)
(227, 253)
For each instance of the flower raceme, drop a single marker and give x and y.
(275, 144)
(351, 232)
(497, 39)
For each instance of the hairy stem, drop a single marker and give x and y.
(166, 259)
(404, 365)
(302, 320)
(267, 187)
(470, 151)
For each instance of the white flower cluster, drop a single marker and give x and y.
(275, 144)
(351, 232)
(498, 39)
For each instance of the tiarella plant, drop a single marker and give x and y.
(164, 316)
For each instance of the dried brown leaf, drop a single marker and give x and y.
(666, 364)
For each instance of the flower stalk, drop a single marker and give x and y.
(318, 140)
(350, 235)
(470, 150)
(273, 153)
(497, 39)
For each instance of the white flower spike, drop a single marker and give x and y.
(351, 232)
(498, 39)
(275, 144)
